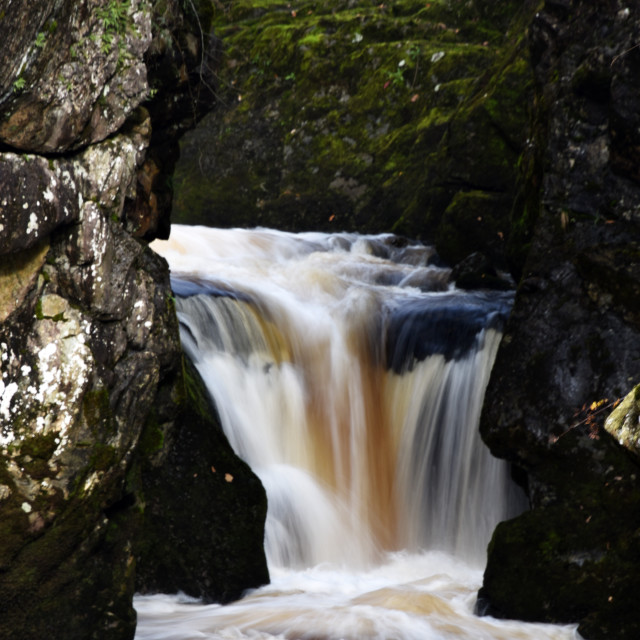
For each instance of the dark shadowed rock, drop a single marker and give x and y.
(193, 486)
(572, 346)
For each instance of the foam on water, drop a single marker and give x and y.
(427, 596)
(349, 373)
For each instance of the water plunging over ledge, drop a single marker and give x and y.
(349, 373)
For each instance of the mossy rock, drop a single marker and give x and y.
(84, 551)
(358, 116)
(573, 558)
(203, 509)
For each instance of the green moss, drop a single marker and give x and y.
(34, 454)
(96, 409)
(103, 457)
(376, 88)
(194, 392)
(564, 561)
(152, 436)
(314, 38)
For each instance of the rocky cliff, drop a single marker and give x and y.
(572, 347)
(93, 402)
(508, 128)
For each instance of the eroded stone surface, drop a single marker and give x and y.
(36, 196)
(73, 72)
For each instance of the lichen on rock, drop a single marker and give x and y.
(80, 72)
(624, 422)
(90, 358)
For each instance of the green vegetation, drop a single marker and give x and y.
(115, 16)
(115, 22)
(19, 84)
(360, 115)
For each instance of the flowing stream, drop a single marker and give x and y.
(349, 373)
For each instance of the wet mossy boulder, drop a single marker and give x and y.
(363, 116)
(574, 557)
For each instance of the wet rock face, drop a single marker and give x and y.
(572, 346)
(90, 360)
(191, 474)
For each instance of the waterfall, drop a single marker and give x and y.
(349, 374)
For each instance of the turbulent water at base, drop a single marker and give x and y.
(349, 373)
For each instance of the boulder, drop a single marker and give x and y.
(624, 422)
(193, 486)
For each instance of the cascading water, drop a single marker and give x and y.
(349, 374)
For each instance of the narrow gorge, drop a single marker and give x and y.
(472, 165)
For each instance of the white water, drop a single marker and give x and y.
(350, 375)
